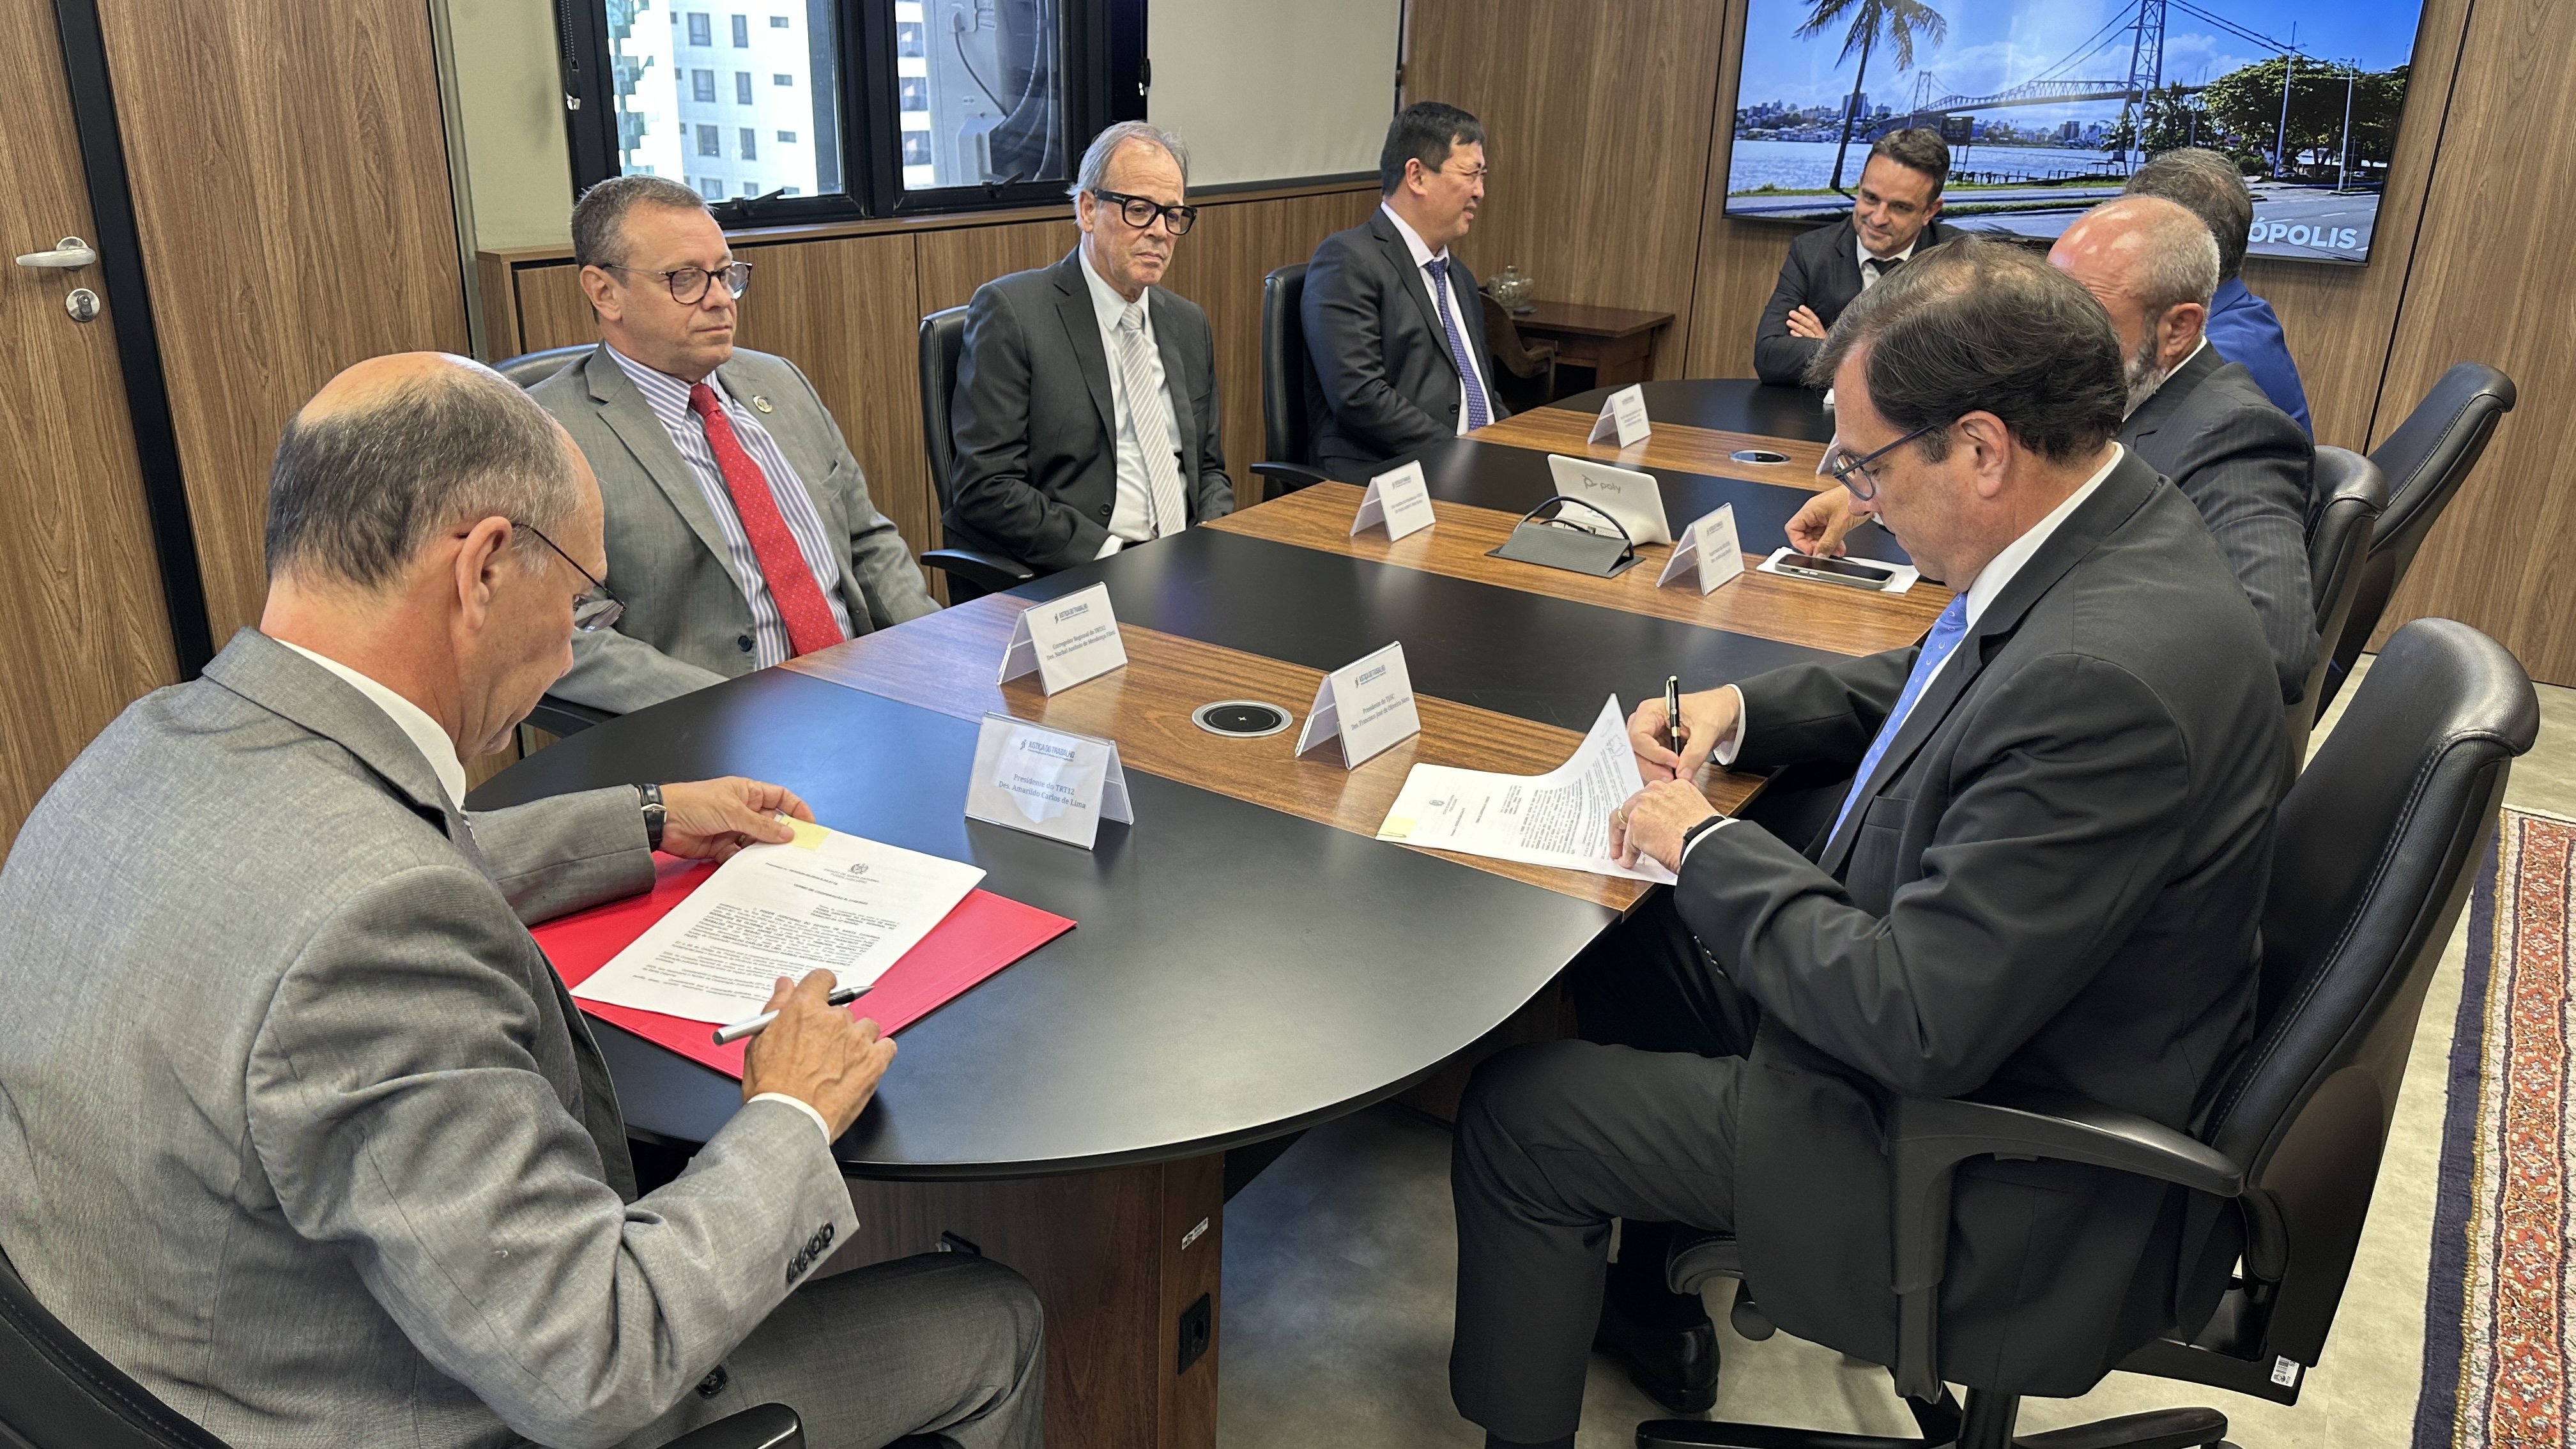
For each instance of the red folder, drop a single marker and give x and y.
(981, 936)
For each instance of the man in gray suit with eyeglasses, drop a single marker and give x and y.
(735, 510)
(302, 1131)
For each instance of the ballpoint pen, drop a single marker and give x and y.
(753, 1026)
(1673, 712)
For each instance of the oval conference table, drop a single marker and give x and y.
(1249, 960)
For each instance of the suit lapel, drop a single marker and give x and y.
(1399, 255)
(623, 409)
(1082, 329)
(2111, 505)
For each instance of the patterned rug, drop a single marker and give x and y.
(2496, 1331)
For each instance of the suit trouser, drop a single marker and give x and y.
(1556, 1139)
(942, 1344)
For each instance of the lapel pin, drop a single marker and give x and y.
(761, 403)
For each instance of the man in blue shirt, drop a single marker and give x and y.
(2241, 325)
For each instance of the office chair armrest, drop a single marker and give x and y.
(990, 572)
(769, 1426)
(1285, 478)
(563, 718)
(1929, 1137)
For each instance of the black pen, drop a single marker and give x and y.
(728, 1035)
(1673, 711)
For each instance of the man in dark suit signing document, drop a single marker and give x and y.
(1895, 213)
(2047, 871)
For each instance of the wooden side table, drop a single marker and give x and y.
(1617, 343)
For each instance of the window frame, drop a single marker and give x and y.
(1102, 64)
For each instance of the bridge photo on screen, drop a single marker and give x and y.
(2048, 105)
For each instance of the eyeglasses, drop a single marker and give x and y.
(1473, 173)
(689, 284)
(1855, 473)
(597, 608)
(1140, 212)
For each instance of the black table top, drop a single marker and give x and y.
(1727, 404)
(1236, 973)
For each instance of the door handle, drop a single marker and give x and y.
(69, 254)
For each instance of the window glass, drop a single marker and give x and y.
(657, 103)
(978, 96)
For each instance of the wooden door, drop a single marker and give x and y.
(85, 630)
(288, 163)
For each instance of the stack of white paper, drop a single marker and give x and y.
(1559, 818)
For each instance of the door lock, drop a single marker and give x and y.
(82, 304)
(69, 254)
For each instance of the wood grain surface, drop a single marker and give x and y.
(87, 631)
(952, 264)
(1671, 445)
(1818, 616)
(945, 662)
(290, 226)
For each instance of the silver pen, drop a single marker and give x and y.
(753, 1026)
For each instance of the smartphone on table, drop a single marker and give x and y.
(1858, 573)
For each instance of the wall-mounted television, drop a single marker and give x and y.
(2048, 105)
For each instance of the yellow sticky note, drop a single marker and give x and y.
(808, 834)
(1397, 827)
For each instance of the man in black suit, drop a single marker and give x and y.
(2198, 419)
(1895, 213)
(1392, 318)
(1086, 414)
(2047, 872)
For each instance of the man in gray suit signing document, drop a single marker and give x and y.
(736, 514)
(302, 1131)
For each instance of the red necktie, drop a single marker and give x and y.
(800, 600)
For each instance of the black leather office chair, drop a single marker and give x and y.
(2351, 493)
(530, 368)
(1292, 397)
(2371, 865)
(2426, 460)
(972, 573)
(56, 1392)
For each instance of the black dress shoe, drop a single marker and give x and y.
(1675, 1367)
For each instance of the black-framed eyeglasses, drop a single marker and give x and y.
(1140, 211)
(1855, 473)
(597, 608)
(689, 284)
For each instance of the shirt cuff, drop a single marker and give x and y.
(1733, 745)
(1110, 545)
(1694, 844)
(803, 1106)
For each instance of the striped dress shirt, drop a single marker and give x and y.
(668, 397)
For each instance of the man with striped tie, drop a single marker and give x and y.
(2046, 873)
(1392, 318)
(739, 527)
(1085, 414)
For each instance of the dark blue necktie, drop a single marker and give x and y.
(1946, 633)
(1469, 384)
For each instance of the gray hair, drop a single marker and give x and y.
(2209, 186)
(1977, 324)
(1094, 172)
(2180, 261)
(599, 218)
(357, 492)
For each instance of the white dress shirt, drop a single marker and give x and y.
(1459, 301)
(1868, 273)
(668, 397)
(1132, 519)
(440, 751)
(1989, 583)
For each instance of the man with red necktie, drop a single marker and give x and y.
(739, 527)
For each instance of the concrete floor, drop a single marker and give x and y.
(1339, 1264)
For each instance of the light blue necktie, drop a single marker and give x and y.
(1468, 383)
(1946, 633)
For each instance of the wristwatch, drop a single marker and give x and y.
(1696, 831)
(655, 816)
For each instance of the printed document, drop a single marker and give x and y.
(1559, 818)
(825, 899)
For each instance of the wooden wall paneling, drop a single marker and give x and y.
(1739, 261)
(1104, 1251)
(954, 262)
(1599, 120)
(1219, 265)
(2488, 284)
(82, 593)
(2338, 319)
(493, 281)
(551, 311)
(289, 228)
(844, 311)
